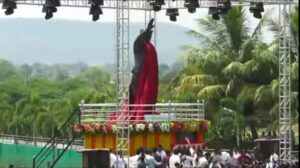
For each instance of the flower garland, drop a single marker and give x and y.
(143, 127)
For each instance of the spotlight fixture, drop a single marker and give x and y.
(216, 16)
(191, 5)
(214, 11)
(96, 11)
(156, 4)
(257, 15)
(224, 6)
(9, 5)
(256, 8)
(50, 7)
(96, 2)
(156, 8)
(49, 12)
(173, 13)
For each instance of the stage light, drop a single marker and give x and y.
(49, 10)
(48, 15)
(256, 8)
(9, 5)
(95, 17)
(224, 6)
(156, 4)
(172, 13)
(50, 7)
(52, 3)
(257, 15)
(96, 2)
(96, 11)
(216, 16)
(214, 11)
(156, 7)
(191, 5)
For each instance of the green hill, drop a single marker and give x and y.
(63, 41)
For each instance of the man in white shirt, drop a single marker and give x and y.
(217, 155)
(150, 159)
(274, 157)
(273, 160)
(134, 159)
(272, 165)
(224, 158)
(121, 162)
(202, 162)
(174, 158)
(142, 161)
(196, 160)
(187, 161)
(112, 157)
(232, 162)
(236, 153)
(215, 164)
(161, 152)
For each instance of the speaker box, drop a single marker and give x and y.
(95, 158)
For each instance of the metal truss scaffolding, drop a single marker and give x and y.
(140, 4)
(123, 77)
(123, 58)
(285, 121)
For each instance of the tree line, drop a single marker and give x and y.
(36, 99)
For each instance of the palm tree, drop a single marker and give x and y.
(230, 119)
(274, 85)
(295, 25)
(232, 61)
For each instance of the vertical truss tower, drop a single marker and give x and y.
(123, 77)
(285, 119)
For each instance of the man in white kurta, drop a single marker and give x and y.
(175, 158)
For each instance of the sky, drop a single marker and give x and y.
(184, 19)
(24, 11)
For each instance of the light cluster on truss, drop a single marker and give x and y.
(221, 9)
(50, 7)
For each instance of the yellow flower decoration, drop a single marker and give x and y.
(193, 126)
(186, 125)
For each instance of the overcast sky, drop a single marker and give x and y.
(82, 14)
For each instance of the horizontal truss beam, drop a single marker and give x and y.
(140, 4)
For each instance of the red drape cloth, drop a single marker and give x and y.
(147, 87)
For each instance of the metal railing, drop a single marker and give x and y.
(52, 151)
(37, 141)
(95, 113)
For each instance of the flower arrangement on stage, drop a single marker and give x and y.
(144, 127)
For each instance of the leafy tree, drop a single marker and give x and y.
(7, 70)
(234, 62)
(36, 99)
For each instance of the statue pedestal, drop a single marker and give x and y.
(146, 140)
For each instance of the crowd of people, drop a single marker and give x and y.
(194, 156)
